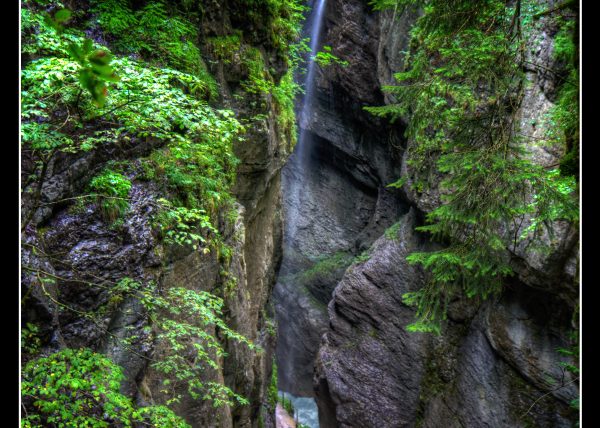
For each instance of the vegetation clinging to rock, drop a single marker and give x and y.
(460, 96)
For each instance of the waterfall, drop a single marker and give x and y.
(302, 149)
(306, 407)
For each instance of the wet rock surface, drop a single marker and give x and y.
(497, 362)
(488, 367)
(87, 255)
(342, 204)
(366, 353)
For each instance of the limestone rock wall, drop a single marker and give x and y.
(497, 362)
(75, 246)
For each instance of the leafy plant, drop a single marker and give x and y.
(325, 58)
(273, 393)
(95, 67)
(280, 19)
(77, 387)
(362, 257)
(159, 34)
(182, 226)
(287, 404)
(30, 340)
(111, 190)
(184, 321)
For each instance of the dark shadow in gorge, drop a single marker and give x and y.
(335, 205)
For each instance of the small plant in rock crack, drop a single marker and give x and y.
(182, 226)
(325, 58)
(111, 190)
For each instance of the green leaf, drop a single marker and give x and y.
(63, 15)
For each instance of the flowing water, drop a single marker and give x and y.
(314, 24)
(306, 411)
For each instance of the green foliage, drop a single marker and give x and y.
(181, 225)
(224, 48)
(30, 340)
(111, 191)
(185, 321)
(94, 64)
(571, 352)
(271, 326)
(273, 393)
(281, 19)
(565, 114)
(391, 4)
(398, 183)
(284, 95)
(157, 32)
(286, 403)
(95, 69)
(147, 102)
(325, 58)
(72, 101)
(325, 267)
(44, 35)
(77, 387)
(391, 232)
(259, 79)
(460, 97)
(199, 165)
(362, 257)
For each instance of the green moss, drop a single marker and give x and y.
(391, 232)
(279, 21)
(284, 95)
(259, 79)
(273, 394)
(325, 267)
(224, 48)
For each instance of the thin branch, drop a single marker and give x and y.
(546, 394)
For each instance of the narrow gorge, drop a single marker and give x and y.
(292, 214)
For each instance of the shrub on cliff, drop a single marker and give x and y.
(78, 387)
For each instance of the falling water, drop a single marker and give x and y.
(302, 151)
(306, 408)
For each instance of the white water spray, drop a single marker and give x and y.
(306, 407)
(315, 23)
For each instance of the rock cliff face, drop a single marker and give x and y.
(496, 363)
(76, 247)
(493, 361)
(338, 298)
(343, 203)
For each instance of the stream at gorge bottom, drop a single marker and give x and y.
(305, 409)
